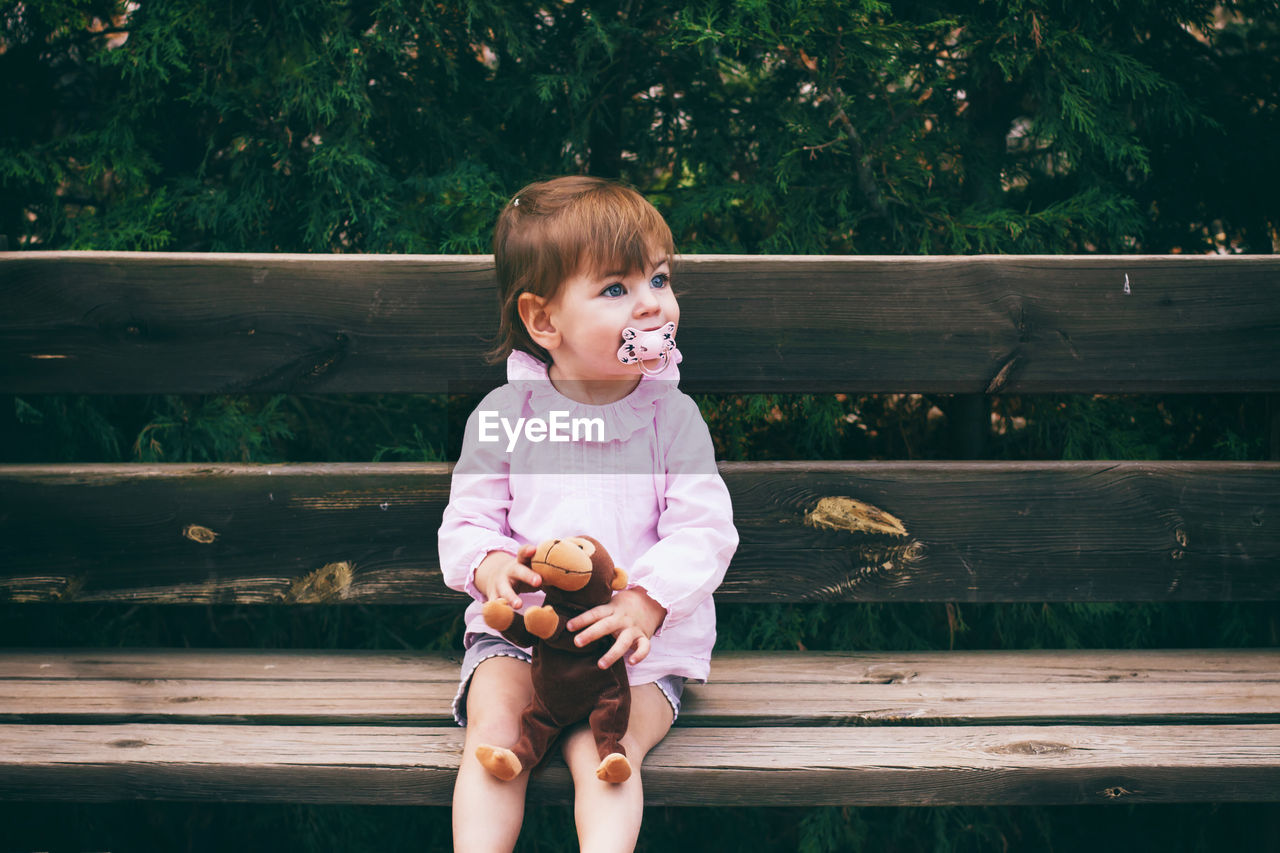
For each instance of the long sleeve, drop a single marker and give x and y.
(695, 526)
(475, 521)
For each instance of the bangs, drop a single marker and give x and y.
(611, 232)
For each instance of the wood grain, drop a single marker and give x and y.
(813, 728)
(746, 688)
(801, 766)
(364, 533)
(1056, 666)
(103, 322)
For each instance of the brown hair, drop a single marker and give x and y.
(553, 230)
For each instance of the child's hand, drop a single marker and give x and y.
(499, 572)
(631, 616)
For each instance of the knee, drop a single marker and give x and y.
(583, 755)
(636, 749)
(651, 718)
(495, 705)
(497, 726)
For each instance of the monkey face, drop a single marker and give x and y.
(564, 563)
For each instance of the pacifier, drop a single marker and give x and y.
(639, 347)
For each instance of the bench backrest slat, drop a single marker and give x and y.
(100, 322)
(810, 531)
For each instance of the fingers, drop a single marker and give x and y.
(627, 639)
(504, 590)
(602, 622)
(593, 632)
(641, 652)
(517, 574)
(529, 576)
(588, 617)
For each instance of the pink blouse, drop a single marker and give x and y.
(640, 476)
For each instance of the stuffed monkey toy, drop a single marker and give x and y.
(577, 575)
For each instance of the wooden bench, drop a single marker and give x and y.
(777, 728)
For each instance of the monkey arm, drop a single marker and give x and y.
(501, 617)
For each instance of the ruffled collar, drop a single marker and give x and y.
(621, 418)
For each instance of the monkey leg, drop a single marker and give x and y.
(609, 722)
(538, 731)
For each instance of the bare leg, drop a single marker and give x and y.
(487, 813)
(609, 815)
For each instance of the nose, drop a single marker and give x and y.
(646, 302)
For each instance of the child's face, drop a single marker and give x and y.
(591, 309)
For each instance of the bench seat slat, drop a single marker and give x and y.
(710, 705)
(747, 689)
(794, 766)
(869, 667)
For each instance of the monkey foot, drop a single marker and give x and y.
(541, 621)
(498, 761)
(498, 614)
(615, 768)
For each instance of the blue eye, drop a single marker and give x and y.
(660, 280)
(613, 290)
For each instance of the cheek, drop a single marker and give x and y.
(597, 321)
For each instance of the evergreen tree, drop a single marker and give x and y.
(821, 126)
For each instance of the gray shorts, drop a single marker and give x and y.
(480, 647)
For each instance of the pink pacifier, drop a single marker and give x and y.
(639, 347)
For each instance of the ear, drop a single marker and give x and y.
(619, 579)
(536, 316)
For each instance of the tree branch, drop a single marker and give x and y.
(866, 177)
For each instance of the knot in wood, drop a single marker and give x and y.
(853, 516)
(915, 551)
(128, 744)
(324, 585)
(1115, 792)
(1033, 747)
(1001, 379)
(197, 533)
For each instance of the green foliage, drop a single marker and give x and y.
(63, 429)
(1049, 426)
(428, 428)
(219, 428)
(241, 428)
(871, 626)
(808, 127)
